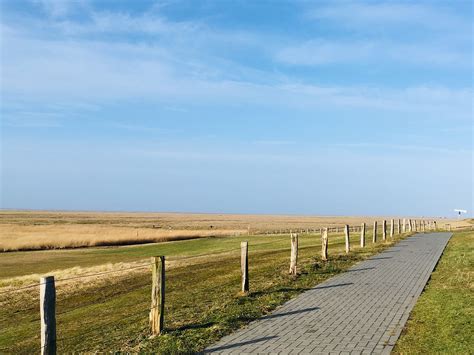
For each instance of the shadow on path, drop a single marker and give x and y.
(331, 286)
(235, 345)
(361, 269)
(276, 315)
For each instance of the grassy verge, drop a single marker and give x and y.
(203, 301)
(442, 320)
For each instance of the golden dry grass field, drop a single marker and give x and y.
(32, 230)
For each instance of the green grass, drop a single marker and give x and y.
(202, 300)
(442, 320)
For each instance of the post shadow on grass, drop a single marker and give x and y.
(194, 326)
(278, 290)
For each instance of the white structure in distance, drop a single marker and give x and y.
(459, 212)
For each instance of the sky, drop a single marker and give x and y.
(273, 107)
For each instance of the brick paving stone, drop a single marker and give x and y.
(360, 311)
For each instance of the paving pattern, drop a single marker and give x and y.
(361, 311)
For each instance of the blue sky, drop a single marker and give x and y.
(310, 107)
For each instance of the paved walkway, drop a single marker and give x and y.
(360, 311)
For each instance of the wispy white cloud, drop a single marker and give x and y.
(367, 14)
(324, 52)
(60, 8)
(383, 147)
(72, 67)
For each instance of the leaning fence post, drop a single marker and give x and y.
(384, 229)
(374, 236)
(244, 265)
(392, 228)
(294, 253)
(362, 235)
(324, 244)
(398, 226)
(346, 234)
(48, 315)
(157, 295)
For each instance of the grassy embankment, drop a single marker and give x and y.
(203, 301)
(443, 318)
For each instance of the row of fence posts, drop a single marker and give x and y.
(156, 316)
(408, 225)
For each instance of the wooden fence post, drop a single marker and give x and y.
(324, 244)
(48, 315)
(362, 235)
(398, 226)
(404, 225)
(410, 225)
(346, 234)
(157, 312)
(294, 254)
(244, 266)
(374, 236)
(384, 229)
(392, 228)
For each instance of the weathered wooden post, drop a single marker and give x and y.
(157, 312)
(392, 228)
(48, 315)
(404, 225)
(410, 225)
(398, 226)
(244, 266)
(374, 236)
(346, 234)
(384, 229)
(362, 235)
(324, 244)
(294, 253)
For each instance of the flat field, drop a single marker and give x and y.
(103, 292)
(108, 310)
(32, 230)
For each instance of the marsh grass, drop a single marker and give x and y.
(40, 230)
